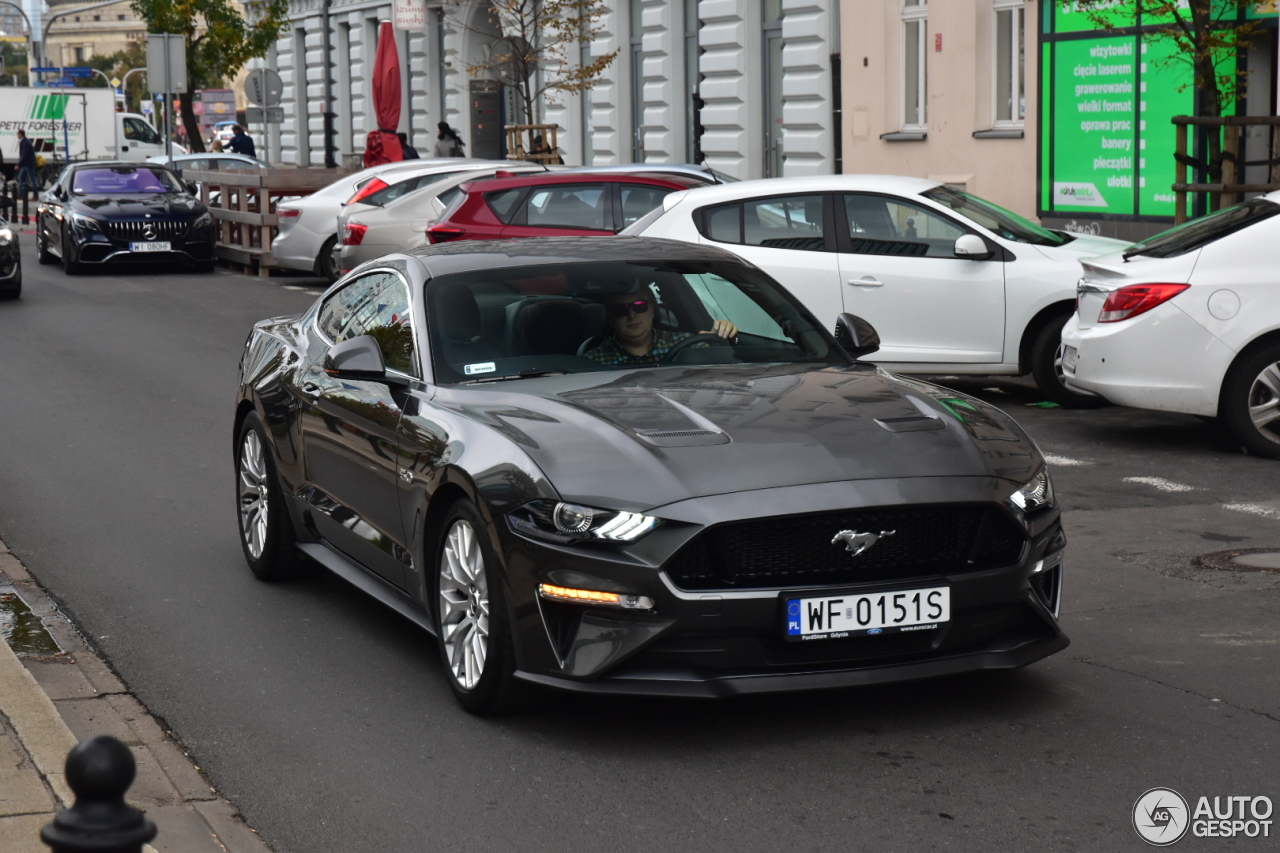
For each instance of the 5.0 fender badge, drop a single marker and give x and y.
(855, 543)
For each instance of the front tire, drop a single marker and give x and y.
(1046, 368)
(327, 262)
(266, 530)
(476, 643)
(43, 255)
(69, 266)
(1250, 403)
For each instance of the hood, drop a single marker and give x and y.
(650, 437)
(124, 207)
(1083, 246)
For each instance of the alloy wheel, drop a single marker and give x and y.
(254, 495)
(1264, 402)
(464, 605)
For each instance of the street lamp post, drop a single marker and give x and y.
(44, 43)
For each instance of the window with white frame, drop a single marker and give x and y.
(915, 78)
(1009, 102)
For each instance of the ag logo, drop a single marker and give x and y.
(1160, 816)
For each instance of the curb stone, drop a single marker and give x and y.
(49, 702)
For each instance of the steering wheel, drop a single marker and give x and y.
(693, 340)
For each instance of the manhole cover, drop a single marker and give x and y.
(1242, 560)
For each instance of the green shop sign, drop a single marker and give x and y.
(1107, 100)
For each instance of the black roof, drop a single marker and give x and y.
(468, 255)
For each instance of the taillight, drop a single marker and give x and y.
(444, 233)
(368, 190)
(353, 235)
(284, 214)
(1135, 299)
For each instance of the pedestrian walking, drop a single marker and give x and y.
(448, 143)
(26, 164)
(241, 143)
(410, 153)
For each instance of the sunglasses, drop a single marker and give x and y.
(622, 309)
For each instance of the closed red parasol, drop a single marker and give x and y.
(383, 146)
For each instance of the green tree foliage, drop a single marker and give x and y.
(15, 64)
(219, 41)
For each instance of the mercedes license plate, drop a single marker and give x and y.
(150, 247)
(1069, 357)
(849, 614)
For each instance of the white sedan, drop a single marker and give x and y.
(952, 283)
(309, 225)
(1188, 321)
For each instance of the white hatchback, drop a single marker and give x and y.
(1188, 321)
(952, 283)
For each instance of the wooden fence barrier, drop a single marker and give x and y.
(1228, 190)
(244, 205)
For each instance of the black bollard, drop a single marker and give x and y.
(99, 770)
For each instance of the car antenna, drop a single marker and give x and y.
(707, 166)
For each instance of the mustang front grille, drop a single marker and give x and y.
(145, 231)
(798, 550)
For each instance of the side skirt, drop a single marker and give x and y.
(362, 580)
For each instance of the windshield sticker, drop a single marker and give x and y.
(480, 367)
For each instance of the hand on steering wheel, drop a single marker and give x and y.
(725, 334)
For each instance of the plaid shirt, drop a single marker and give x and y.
(609, 352)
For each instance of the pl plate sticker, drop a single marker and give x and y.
(480, 367)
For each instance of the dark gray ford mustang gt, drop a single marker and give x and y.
(638, 466)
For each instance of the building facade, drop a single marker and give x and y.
(747, 85)
(76, 36)
(946, 90)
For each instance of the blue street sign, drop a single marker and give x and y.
(46, 70)
(61, 81)
(78, 71)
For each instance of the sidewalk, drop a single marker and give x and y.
(55, 692)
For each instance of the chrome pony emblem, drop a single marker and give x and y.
(855, 543)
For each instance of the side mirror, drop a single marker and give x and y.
(192, 188)
(359, 359)
(972, 247)
(856, 335)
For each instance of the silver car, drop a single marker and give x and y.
(396, 218)
(308, 225)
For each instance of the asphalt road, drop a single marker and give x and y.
(327, 720)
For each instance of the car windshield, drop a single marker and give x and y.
(1200, 232)
(609, 315)
(123, 179)
(997, 220)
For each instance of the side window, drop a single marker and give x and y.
(196, 165)
(724, 224)
(138, 130)
(887, 226)
(794, 222)
(376, 304)
(229, 164)
(725, 300)
(583, 206)
(639, 199)
(503, 203)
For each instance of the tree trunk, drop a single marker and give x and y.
(195, 142)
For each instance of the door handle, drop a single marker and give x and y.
(311, 388)
(866, 281)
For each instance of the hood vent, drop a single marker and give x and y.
(911, 423)
(683, 437)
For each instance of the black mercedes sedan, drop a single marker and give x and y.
(638, 466)
(100, 213)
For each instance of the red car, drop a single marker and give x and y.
(554, 204)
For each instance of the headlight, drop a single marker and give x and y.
(557, 521)
(6, 236)
(1035, 495)
(204, 220)
(88, 222)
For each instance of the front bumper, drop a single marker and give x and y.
(10, 261)
(1162, 360)
(720, 642)
(94, 248)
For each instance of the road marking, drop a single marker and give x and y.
(1254, 509)
(1160, 483)
(293, 287)
(1064, 461)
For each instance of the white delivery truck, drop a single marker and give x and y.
(74, 124)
